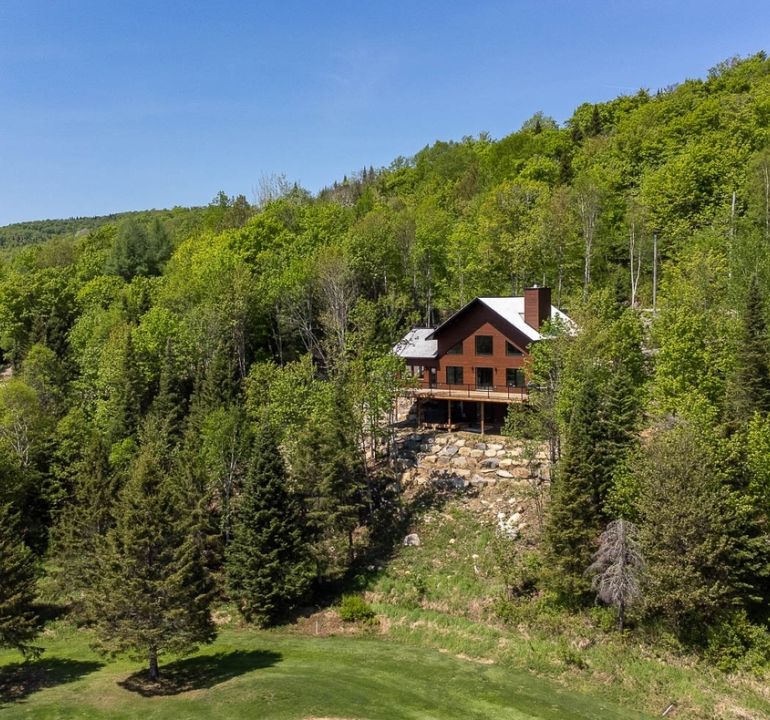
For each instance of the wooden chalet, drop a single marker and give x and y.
(474, 364)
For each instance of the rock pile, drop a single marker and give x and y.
(462, 460)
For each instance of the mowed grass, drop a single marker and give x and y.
(278, 676)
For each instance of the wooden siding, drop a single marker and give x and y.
(478, 320)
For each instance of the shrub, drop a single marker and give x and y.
(735, 643)
(353, 608)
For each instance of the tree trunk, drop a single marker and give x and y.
(621, 615)
(153, 658)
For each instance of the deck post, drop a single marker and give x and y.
(481, 414)
(449, 414)
(419, 412)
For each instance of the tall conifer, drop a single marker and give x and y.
(18, 624)
(153, 594)
(268, 562)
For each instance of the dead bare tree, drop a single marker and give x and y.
(588, 204)
(617, 567)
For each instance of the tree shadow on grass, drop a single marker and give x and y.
(19, 680)
(199, 673)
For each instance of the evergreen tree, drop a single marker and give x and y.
(575, 513)
(751, 388)
(158, 247)
(153, 592)
(267, 561)
(82, 525)
(692, 535)
(18, 625)
(331, 477)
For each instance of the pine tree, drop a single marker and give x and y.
(82, 525)
(153, 593)
(331, 476)
(693, 538)
(18, 624)
(575, 512)
(751, 387)
(267, 561)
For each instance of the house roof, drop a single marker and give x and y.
(417, 343)
(511, 309)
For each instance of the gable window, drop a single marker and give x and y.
(511, 349)
(483, 344)
(514, 377)
(456, 349)
(454, 375)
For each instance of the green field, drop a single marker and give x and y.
(272, 675)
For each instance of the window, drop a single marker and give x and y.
(514, 377)
(456, 349)
(484, 378)
(511, 349)
(483, 344)
(454, 376)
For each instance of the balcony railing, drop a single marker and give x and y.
(474, 391)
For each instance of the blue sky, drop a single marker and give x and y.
(108, 106)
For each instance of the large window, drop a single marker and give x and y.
(456, 349)
(484, 378)
(514, 377)
(511, 349)
(483, 344)
(454, 375)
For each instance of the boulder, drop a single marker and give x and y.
(460, 443)
(450, 450)
(490, 453)
(412, 539)
(476, 453)
(465, 451)
(503, 474)
(489, 463)
(494, 446)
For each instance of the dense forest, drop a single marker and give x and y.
(199, 399)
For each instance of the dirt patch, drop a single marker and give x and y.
(323, 623)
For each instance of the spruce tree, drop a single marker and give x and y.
(268, 563)
(693, 536)
(331, 476)
(575, 511)
(18, 625)
(82, 525)
(153, 592)
(751, 386)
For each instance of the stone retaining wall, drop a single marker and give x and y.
(464, 459)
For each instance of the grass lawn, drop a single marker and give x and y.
(273, 675)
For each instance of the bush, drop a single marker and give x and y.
(738, 644)
(353, 608)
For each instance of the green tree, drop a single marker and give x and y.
(750, 391)
(18, 624)
(692, 535)
(330, 474)
(575, 513)
(268, 564)
(153, 593)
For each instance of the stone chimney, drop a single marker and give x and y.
(537, 306)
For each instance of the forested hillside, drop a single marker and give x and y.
(199, 404)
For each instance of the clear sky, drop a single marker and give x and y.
(109, 105)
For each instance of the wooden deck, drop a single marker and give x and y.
(496, 393)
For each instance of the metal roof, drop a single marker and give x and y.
(417, 344)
